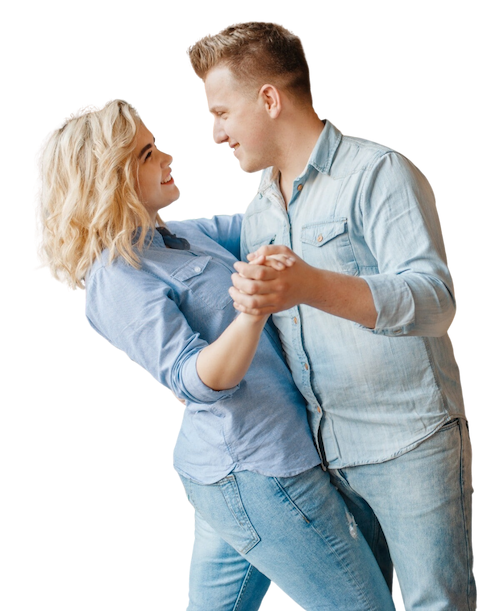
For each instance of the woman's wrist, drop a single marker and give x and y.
(252, 321)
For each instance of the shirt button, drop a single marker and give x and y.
(295, 321)
(320, 238)
(318, 408)
(197, 269)
(299, 188)
(306, 367)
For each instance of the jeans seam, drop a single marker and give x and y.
(292, 503)
(464, 518)
(347, 570)
(244, 585)
(243, 521)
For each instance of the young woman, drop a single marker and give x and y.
(265, 509)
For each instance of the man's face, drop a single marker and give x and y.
(240, 119)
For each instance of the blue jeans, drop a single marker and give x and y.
(421, 502)
(295, 531)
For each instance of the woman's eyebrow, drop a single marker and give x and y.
(144, 149)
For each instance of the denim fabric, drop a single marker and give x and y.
(422, 501)
(220, 579)
(362, 209)
(163, 314)
(296, 531)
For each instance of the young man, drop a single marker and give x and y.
(362, 313)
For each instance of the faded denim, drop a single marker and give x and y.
(296, 531)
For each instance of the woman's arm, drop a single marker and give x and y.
(224, 363)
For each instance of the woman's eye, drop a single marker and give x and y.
(147, 156)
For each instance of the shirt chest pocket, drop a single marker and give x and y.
(255, 242)
(327, 245)
(207, 280)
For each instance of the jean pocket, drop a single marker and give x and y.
(449, 425)
(244, 537)
(220, 505)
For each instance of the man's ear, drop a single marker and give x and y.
(271, 99)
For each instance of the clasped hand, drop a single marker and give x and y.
(275, 279)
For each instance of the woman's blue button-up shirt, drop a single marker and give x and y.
(163, 314)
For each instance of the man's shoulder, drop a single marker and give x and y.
(357, 155)
(367, 146)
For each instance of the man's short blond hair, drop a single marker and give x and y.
(256, 53)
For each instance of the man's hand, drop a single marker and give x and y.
(273, 281)
(276, 261)
(276, 279)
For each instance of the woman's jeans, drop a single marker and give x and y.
(295, 531)
(421, 501)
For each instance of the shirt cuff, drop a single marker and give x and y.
(394, 303)
(198, 392)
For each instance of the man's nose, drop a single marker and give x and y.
(220, 135)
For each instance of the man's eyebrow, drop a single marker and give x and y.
(148, 146)
(216, 108)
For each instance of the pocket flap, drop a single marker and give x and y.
(192, 268)
(319, 234)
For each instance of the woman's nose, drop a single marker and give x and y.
(167, 159)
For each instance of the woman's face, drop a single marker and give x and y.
(155, 185)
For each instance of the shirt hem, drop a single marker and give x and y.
(238, 468)
(400, 452)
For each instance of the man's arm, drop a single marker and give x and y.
(263, 290)
(412, 293)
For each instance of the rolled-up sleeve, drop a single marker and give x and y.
(413, 289)
(134, 310)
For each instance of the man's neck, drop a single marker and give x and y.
(299, 141)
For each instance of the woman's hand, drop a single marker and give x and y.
(269, 288)
(224, 363)
(278, 262)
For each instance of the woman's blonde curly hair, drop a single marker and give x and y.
(88, 199)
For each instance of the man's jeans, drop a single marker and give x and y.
(422, 502)
(296, 531)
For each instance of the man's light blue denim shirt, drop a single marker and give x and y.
(163, 314)
(362, 209)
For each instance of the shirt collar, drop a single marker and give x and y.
(323, 153)
(321, 157)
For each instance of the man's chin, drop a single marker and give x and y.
(249, 167)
